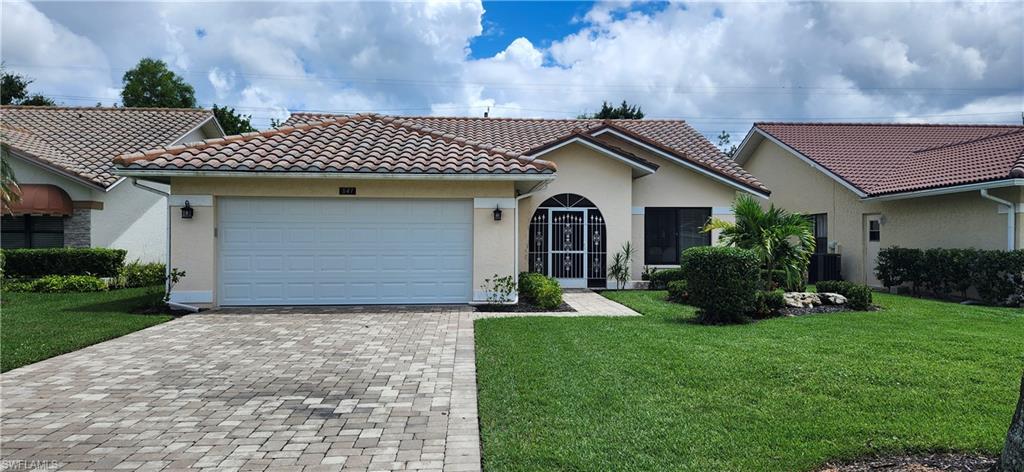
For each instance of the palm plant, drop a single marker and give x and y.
(9, 190)
(783, 241)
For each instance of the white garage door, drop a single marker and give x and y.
(312, 251)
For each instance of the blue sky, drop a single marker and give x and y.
(720, 66)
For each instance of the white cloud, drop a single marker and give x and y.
(719, 65)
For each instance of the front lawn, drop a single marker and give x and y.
(37, 326)
(660, 393)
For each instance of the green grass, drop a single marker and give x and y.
(37, 326)
(662, 393)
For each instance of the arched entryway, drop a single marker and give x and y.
(568, 241)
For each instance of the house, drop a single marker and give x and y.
(871, 186)
(369, 209)
(62, 159)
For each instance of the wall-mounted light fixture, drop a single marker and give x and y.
(497, 213)
(187, 211)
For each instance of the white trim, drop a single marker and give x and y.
(625, 160)
(115, 184)
(808, 161)
(332, 175)
(192, 296)
(193, 200)
(947, 190)
(53, 168)
(721, 211)
(200, 126)
(683, 163)
(639, 210)
(492, 203)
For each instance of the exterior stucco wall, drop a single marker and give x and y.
(29, 173)
(953, 220)
(134, 220)
(604, 181)
(671, 186)
(194, 246)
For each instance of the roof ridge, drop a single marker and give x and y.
(94, 108)
(498, 118)
(868, 123)
(126, 159)
(453, 138)
(969, 141)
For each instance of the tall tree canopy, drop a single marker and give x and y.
(725, 144)
(152, 84)
(624, 111)
(14, 90)
(231, 122)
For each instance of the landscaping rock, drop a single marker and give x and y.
(801, 299)
(832, 298)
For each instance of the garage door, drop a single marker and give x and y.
(308, 251)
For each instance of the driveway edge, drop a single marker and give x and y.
(462, 444)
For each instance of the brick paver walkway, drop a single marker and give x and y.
(285, 391)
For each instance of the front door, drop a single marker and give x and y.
(567, 242)
(872, 245)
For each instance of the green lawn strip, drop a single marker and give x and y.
(37, 326)
(662, 393)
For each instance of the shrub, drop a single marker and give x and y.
(898, 265)
(32, 263)
(138, 274)
(998, 276)
(858, 296)
(661, 278)
(15, 285)
(677, 291)
(499, 289)
(622, 263)
(68, 283)
(540, 290)
(768, 302)
(721, 281)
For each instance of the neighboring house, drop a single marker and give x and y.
(62, 158)
(378, 209)
(871, 186)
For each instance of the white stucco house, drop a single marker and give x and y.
(371, 209)
(62, 159)
(870, 186)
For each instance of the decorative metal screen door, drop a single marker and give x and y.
(567, 257)
(567, 242)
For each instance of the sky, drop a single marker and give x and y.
(719, 65)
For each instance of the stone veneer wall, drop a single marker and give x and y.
(77, 228)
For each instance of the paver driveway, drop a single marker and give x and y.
(285, 391)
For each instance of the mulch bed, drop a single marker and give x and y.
(160, 310)
(522, 307)
(940, 462)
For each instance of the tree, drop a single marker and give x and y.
(152, 84)
(14, 90)
(623, 112)
(1012, 459)
(723, 144)
(783, 241)
(9, 190)
(231, 122)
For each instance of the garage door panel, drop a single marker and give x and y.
(334, 251)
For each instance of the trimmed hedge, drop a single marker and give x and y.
(34, 263)
(677, 291)
(661, 278)
(997, 276)
(722, 282)
(68, 283)
(137, 274)
(768, 302)
(540, 290)
(858, 296)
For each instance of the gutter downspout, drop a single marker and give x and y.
(167, 265)
(515, 261)
(1011, 218)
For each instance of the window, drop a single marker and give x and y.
(874, 230)
(31, 231)
(819, 226)
(669, 231)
